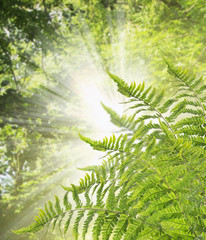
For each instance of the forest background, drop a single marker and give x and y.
(53, 56)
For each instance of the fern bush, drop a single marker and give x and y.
(151, 184)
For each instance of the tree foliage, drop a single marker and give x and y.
(152, 182)
(29, 32)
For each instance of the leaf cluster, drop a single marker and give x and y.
(151, 184)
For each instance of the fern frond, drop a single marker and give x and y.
(129, 91)
(121, 144)
(146, 128)
(190, 82)
(124, 122)
(35, 227)
(151, 183)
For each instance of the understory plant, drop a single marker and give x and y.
(151, 183)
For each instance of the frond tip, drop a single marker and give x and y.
(35, 227)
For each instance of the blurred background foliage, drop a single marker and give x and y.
(41, 44)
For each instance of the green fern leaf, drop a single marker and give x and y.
(121, 227)
(57, 205)
(67, 204)
(109, 224)
(96, 230)
(51, 209)
(66, 226)
(80, 215)
(87, 221)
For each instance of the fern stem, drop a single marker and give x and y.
(99, 210)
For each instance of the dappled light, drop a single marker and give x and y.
(67, 77)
